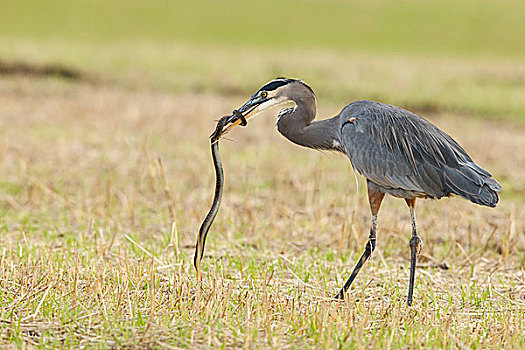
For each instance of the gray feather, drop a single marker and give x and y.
(399, 150)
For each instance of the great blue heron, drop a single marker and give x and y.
(398, 152)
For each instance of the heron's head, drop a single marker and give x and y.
(274, 93)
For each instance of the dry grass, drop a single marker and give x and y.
(476, 86)
(92, 258)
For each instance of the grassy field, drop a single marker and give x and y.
(467, 27)
(105, 177)
(91, 255)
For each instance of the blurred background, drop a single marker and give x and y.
(442, 59)
(112, 79)
(459, 55)
(105, 112)
(94, 87)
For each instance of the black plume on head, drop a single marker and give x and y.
(281, 81)
(278, 82)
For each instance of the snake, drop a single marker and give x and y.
(219, 185)
(219, 188)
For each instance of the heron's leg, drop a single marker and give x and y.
(415, 245)
(374, 198)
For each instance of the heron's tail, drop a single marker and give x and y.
(473, 183)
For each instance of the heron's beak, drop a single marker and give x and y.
(248, 110)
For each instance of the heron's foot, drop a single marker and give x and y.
(340, 295)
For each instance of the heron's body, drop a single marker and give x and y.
(403, 154)
(397, 151)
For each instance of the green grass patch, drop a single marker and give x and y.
(468, 27)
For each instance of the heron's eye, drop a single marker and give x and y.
(264, 94)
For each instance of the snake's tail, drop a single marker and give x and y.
(197, 260)
(198, 268)
(206, 224)
(199, 247)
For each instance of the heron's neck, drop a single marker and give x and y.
(298, 126)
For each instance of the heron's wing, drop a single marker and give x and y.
(398, 149)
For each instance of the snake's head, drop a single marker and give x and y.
(226, 123)
(219, 128)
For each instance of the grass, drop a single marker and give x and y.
(92, 257)
(95, 253)
(444, 56)
(480, 87)
(468, 27)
